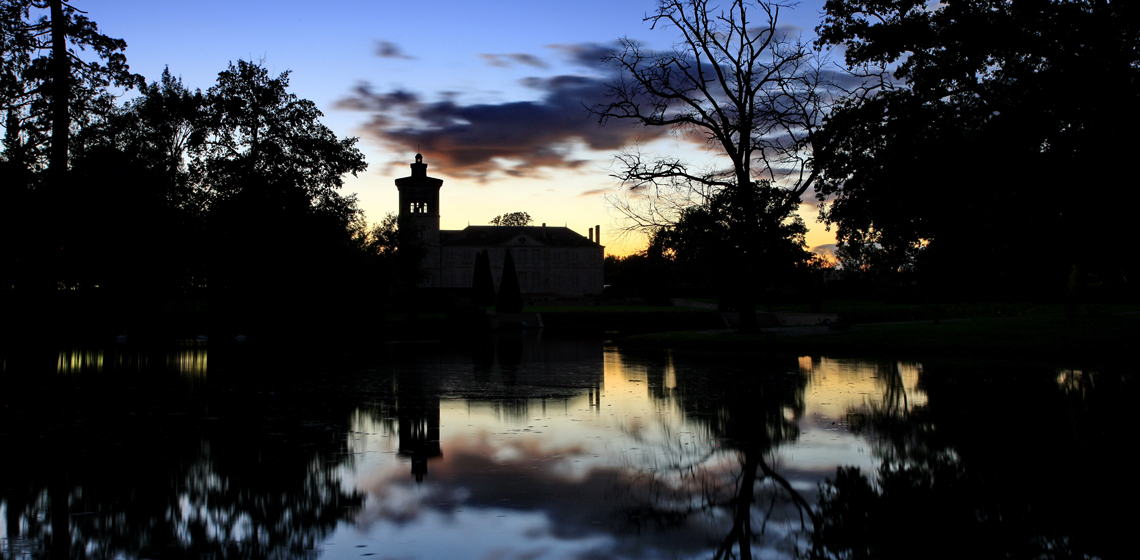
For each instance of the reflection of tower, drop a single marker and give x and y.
(418, 416)
(419, 210)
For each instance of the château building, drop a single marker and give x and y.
(549, 261)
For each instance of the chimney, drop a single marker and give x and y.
(591, 235)
(544, 230)
(598, 234)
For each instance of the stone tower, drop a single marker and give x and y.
(419, 210)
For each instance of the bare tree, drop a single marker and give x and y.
(752, 91)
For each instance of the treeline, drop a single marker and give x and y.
(970, 150)
(178, 199)
(987, 154)
(699, 255)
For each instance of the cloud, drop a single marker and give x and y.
(484, 140)
(825, 250)
(388, 49)
(363, 98)
(507, 60)
(587, 55)
(594, 192)
(512, 138)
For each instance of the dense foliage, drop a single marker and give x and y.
(699, 255)
(975, 158)
(230, 196)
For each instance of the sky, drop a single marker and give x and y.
(508, 78)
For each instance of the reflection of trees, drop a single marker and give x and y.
(1010, 464)
(898, 428)
(727, 476)
(127, 471)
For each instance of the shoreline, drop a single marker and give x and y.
(1053, 338)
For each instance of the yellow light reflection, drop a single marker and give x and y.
(190, 361)
(624, 382)
(836, 386)
(670, 374)
(76, 361)
(1076, 381)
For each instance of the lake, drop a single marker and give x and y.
(549, 444)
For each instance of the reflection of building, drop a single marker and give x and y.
(548, 260)
(418, 418)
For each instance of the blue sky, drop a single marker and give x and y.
(514, 59)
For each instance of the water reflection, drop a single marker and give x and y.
(75, 361)
(641, 456)
(98, 468)
(1005, 463)
(538, 445)
(189, 360)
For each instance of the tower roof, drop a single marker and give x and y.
(419, 176)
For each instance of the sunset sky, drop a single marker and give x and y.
(513, 74)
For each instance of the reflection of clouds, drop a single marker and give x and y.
(479, 478)
(609, 476)
(493, 534)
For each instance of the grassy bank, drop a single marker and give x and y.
(1050, 338)
(870, 311)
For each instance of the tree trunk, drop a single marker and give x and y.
(60, 93)
(748, 275)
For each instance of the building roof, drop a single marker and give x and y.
(541, 236)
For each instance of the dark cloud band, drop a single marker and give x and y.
(516, 138)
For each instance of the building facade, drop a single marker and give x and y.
(549, 261)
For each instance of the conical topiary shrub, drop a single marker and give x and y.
(483, 284)
(510, 297)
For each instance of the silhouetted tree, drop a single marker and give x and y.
(47, 90)
(268, 164)
(158, 129)
(137, 195)
(45, 85)
(394, 260)
(512, 219)
(510, 296)
(966, 119)
(647, 274)
(256, 128)
(701, 243)
(752, 92)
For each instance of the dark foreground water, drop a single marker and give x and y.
(548, 445)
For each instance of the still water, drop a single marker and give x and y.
(548, 445)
